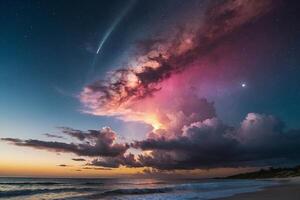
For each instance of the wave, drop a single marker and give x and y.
(216, 185)
(143, 183)
(205, 190)
(93, 183)
(137, 191)
(189, 186)
(118, 192)
(15, 193)
(30, 183)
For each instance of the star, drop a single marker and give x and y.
(244, 85)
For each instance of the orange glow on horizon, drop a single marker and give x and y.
(27, 162)
(34, 170)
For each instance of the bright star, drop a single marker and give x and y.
(244, 85)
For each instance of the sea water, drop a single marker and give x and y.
(124, 189)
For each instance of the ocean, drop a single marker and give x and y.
(124, 189)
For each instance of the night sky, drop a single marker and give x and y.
(139, 86)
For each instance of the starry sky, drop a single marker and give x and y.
(171, 74)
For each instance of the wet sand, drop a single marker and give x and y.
(287, 190)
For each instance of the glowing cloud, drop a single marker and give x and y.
(123, 91)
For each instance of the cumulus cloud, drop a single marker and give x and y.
(199, 145)
(260, 140)
(93, 143)
(115, 162)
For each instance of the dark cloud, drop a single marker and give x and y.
(93, 143)
(115, 162)
(200, 145)
(63, 165)
(78, 159)
(12, 140)
(78, 134)
(260, 140)
(96, 168)
(49, 135)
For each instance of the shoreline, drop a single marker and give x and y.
(288, 189)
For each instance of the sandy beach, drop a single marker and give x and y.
(289, 189)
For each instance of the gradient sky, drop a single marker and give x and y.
(48, 56)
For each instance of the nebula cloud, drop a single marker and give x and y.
(124, 89)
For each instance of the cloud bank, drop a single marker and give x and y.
(92, 143)
(260, 140)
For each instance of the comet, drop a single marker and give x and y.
(109, 31)
(115, 23)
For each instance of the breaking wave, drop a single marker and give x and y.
(15, 193)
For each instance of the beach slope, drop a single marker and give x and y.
(285, 191)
